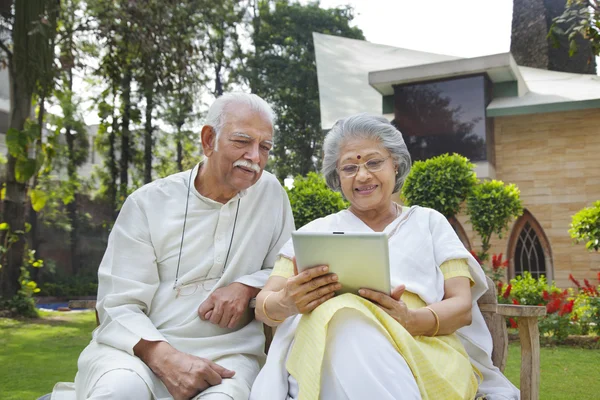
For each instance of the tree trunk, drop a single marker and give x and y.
(72, 206)
(218, 82)
(126, 104)
(14, 200)
(149, 92)
(112, 157)
(179, 148)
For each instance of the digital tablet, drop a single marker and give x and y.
(361, 260)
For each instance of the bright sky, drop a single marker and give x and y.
(465, 28)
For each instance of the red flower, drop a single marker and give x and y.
(513, 323)
(507, 292)
(477, 258)
(574, 281)
(553, 306)
(497, 262)
(546, 295)
(516, 302)
(566, 308)
(598, 276)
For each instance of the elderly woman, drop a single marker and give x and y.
(426, 340)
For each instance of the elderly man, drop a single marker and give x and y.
(185, 258)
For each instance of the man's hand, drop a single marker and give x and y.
(226, 305)
(184, 375)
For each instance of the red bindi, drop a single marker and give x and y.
(358, 157)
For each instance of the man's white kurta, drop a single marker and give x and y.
(136, 299)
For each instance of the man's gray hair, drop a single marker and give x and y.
(217, 114)
(364, 126)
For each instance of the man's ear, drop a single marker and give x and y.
(209, 140)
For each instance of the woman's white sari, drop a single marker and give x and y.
(420, 240)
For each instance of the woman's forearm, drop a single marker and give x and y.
(270, 309)
(452, 313)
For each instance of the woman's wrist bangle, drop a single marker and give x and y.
(264, 310)
(437, 321)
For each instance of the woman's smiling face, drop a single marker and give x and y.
(366, 190)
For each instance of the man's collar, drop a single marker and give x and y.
(196, 171)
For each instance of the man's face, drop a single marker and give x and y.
(243, 147)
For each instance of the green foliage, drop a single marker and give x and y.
(586, 227)
(23, 303)
(310, 199)
(557, 327)
(529, 291)
(19, 143)
(282, 70)
(491, 206)
(441, 183)
(587, 313)
(580, 19)
(568, 312)
(70, 286)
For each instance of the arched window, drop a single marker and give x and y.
(529, 249)
(460, 232)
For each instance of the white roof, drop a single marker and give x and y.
(343, 67)
(548, 91)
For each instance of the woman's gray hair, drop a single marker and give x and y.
(217, 113)
(364, 126)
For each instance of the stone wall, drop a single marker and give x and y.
(554, 159)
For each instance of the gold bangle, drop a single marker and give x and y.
(437, 321)
(264, 309)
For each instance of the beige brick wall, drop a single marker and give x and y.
(554, 159)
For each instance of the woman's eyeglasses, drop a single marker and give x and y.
(373, 165)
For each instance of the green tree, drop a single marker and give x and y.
(184, 83)
(28, 54)
(491, 206)
(581, 18)
(118, 33)
(282, 69)
(310, 199)
(442, 183)
(70, 125)
(219, 40)
(586, 227)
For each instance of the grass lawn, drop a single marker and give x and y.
(566, 372)
(38, 353)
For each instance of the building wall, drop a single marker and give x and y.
(554, 159)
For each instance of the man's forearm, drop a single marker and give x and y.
(153, 354)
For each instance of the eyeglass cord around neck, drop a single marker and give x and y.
(187, 202)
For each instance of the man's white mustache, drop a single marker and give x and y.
(247, 164)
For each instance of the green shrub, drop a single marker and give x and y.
(586, 227)
(491, 206)
(310, 199)
(569, 311)
(70, 286)
(526, 290)
(441, 183)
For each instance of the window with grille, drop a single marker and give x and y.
(529, 253)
